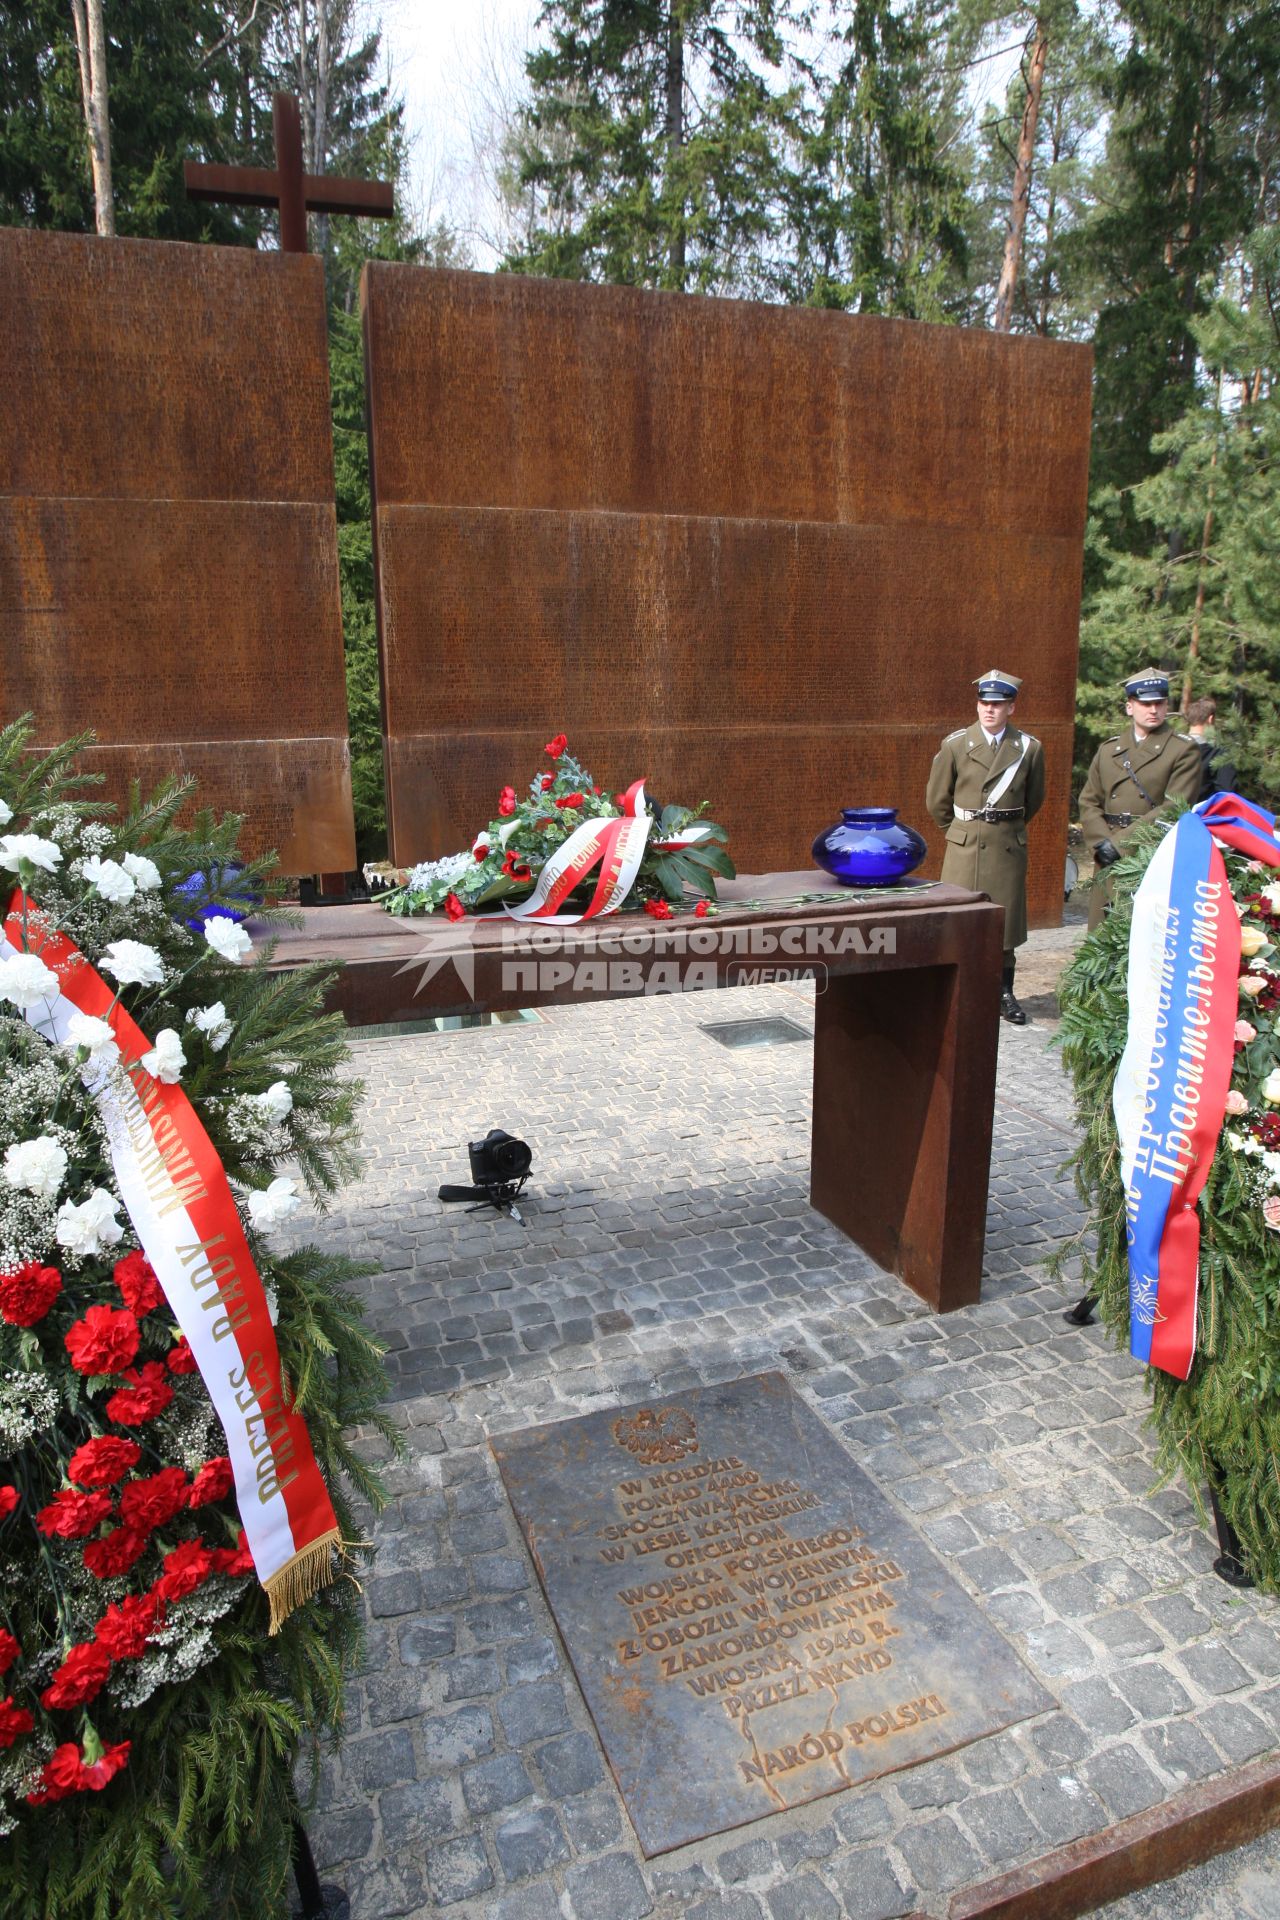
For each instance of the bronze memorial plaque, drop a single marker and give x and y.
(751, 1623)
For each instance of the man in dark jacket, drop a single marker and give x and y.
(1217, 773)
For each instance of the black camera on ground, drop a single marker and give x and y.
(499, 1167)
(499, 1159)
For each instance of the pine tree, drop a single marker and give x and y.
(176, 92)
(1050, 292)
(653, 143)
(1180, 195)
(876, 213)
(1204, 597)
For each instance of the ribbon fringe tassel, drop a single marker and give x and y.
(296, 1581)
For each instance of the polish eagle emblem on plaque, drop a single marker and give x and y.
(657, 1436)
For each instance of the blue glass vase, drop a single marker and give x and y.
(869, 848)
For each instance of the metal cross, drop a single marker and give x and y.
(295, 193)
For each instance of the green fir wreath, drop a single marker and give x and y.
(156, 1780)
(1220, 1428)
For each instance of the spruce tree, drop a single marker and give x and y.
(654, 141)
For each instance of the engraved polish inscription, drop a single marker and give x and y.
(752, 1624)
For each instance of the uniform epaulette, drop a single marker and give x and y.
(1187, 737)
(1114, 741)
(959, 734)
(1031, 740)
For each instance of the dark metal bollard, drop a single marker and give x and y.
(1228, 1566)
(304, 1872)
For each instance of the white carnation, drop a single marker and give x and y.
(36, 1166)
(276, 1103)
(166, 1059)
(6, 813)
(17, 847)
(267, 1210)
(144, 873)
(213, 1023)
(226, 938)
(109, 878)
(25, 981)
(83, 1030)
(133, 963)
(88, 1228)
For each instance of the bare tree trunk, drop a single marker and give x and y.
(675, 127)
(91, 51)
(1021, 183)
(320, 117)
(1206, 534)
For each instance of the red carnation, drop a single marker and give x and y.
(507, 800)
(136, 1279)
(151, 1503)
(101, 1462)
(9, 1650)
(66, 1773)
(701, 910)
(557, 746)
(61, 1776)
(185, 1569)
(480, 853)
(71, 1515)
(115, 1554)
(82, 1675)
(233, 1560)
(13, 1721)
(619, 801)
(105, 1341)
(8, 1501)
(27, 1294)
(123, 1631)
(213, 1482)
(454, 908)
(547, 781)
(147, 1394)
(114, 1760)
(180, 1359)
(569, 800)
(657, 909)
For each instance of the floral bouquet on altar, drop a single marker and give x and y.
(568, 852)
(175, 1393)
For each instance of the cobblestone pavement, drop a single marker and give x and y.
(669, 1243)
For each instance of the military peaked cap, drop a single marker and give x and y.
(1150, 684)
(996, 685)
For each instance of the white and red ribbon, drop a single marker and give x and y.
(176, 1192)
(617, 846)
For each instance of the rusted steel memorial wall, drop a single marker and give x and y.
(755, 553)
(168, 540)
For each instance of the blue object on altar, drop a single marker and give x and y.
(869, 847)
(198, 890)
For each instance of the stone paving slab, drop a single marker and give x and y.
(668, 1243)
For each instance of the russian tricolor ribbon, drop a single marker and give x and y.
(180, 1203)
(1172, 1082)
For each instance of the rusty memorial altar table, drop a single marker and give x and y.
(905, 1031)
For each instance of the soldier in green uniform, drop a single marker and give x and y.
(1133, 774)
(986, 782)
